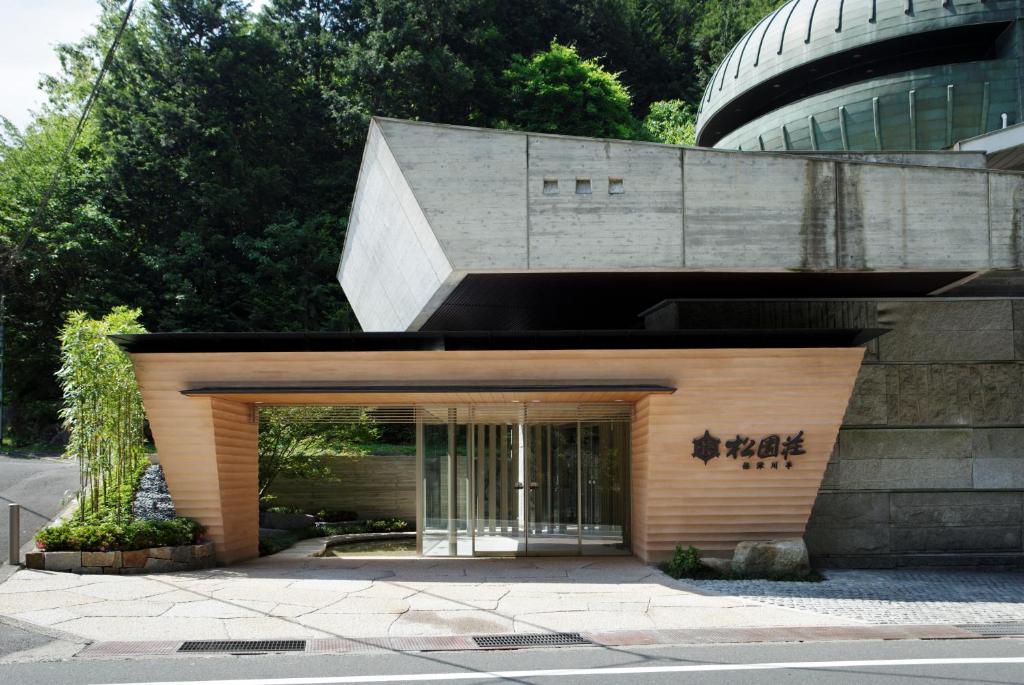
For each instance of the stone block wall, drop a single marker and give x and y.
(928, 468)
(151, 560)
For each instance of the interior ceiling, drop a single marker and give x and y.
(589, 301)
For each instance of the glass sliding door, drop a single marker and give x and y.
(499, 528)
(515, 480)
(604, 470)
(445, 486)
(554, 496)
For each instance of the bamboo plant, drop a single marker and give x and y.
(102, 411)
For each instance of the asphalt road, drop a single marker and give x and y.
(38, 484)
(872, 662)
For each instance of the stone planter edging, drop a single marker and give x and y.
(152, 560)
(362, 537)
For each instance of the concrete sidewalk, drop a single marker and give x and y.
(293, 595)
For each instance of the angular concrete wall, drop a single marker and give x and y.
(929, 464)
(436, 203)
(394, 270)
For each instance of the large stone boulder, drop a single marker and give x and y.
(767, 558)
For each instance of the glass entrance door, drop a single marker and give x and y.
(528, 494)
(553, 503)
(499, 521)
(511, 480)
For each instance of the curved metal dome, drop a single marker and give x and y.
(832, 59)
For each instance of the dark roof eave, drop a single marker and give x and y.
(177, 343)
(430, 388)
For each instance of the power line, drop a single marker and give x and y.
(48, 193)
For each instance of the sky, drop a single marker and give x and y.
(29, 31)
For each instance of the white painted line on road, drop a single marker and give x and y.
(563, 672)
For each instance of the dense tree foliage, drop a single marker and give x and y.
(293, 442)
(556, 91)
(211, 184)
(671, 121)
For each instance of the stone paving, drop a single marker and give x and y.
(292, 595)
(894, 597)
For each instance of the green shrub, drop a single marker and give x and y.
(336, 515)
(387, 526)
(104, 536)
(178, 531)
(283, 510)
(685, 562)
(392, 525)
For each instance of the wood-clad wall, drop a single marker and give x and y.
(374, 486)
(639, 476)
(208, 446)
(717, 505)
(236, 433)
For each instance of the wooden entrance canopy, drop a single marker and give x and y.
(200, 391)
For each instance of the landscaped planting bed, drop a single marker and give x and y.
(151, 560)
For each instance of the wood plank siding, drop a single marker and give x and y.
(208, 445)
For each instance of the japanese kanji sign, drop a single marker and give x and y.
(757, 453)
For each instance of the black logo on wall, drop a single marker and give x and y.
(750, 452)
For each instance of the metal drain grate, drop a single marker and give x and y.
(530, 640)
(247, 646)
(994, 629)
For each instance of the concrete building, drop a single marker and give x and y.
(928, 466)
(868, 75)
(617, 347)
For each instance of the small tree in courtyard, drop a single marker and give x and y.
(295, 442)
(102, 411)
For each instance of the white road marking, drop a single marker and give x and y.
(563, 672)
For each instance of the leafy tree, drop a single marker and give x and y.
(294, 442)
(71, 255)
(557, 91)
(671, 121)
(212, 183)
(718, 26)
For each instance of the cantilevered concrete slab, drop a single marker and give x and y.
(441, 208)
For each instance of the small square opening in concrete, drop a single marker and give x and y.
(615, 186)
(551, 186)
(583, 186)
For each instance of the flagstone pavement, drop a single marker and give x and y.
(293, 595)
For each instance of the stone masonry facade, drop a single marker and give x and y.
(929, 465)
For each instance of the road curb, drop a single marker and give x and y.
(631, 638)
